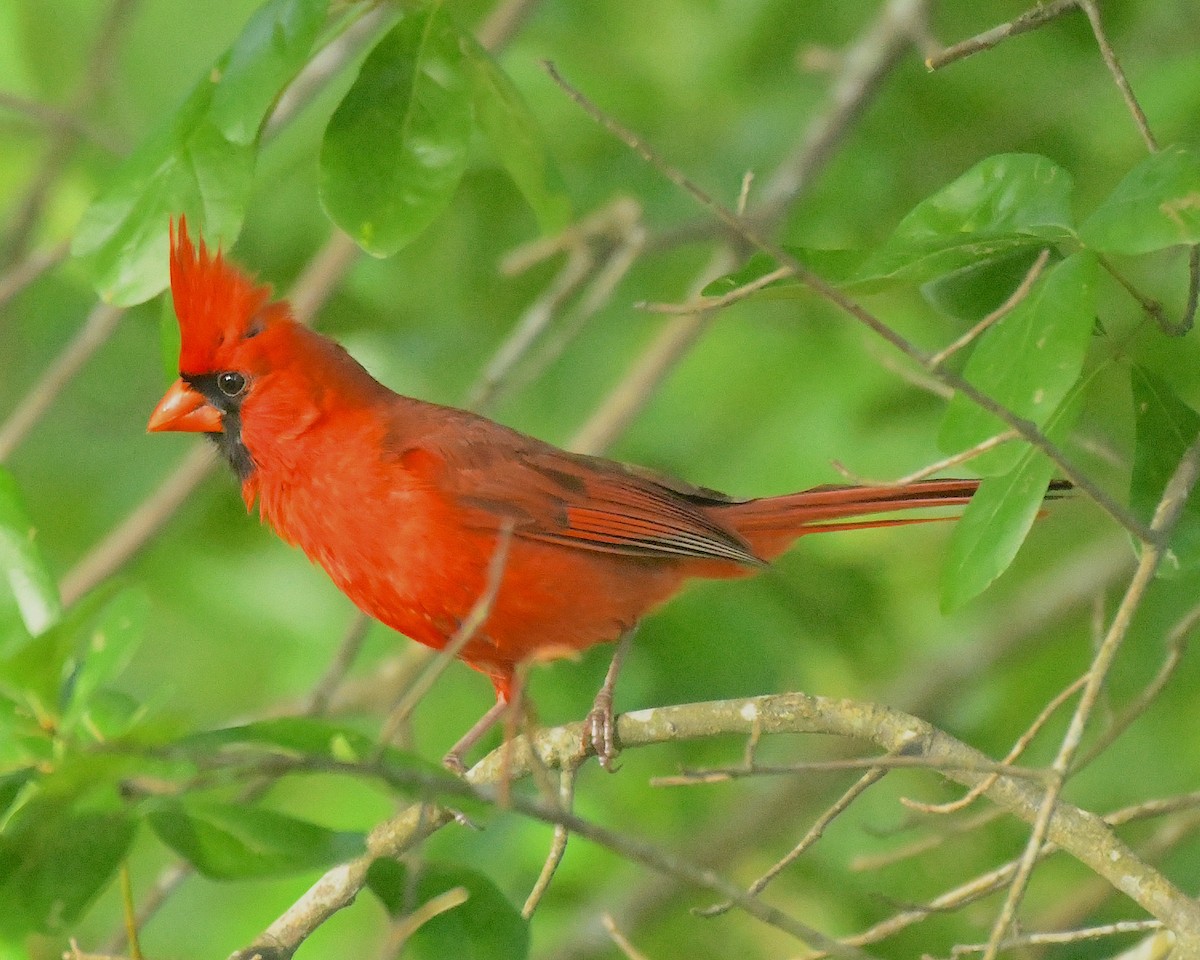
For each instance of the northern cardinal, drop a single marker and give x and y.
(405, 503)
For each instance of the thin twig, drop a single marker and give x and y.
(558, 843)
(1177, 641)
(627, 399)
(21, 274)
(96, 329)
(64, 140)
(620, 940)
(1065, 936)
(943, 464)
(1018, 748)
(1042, 14)
(718, 303)
(815, 832)
(711, 775)
(1092, 11)
(1014, 299)
(318, 699)
(867, 862)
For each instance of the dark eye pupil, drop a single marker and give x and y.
(231, 383)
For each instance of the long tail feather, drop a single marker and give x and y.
(771, 524)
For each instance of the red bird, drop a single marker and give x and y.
(405, 503)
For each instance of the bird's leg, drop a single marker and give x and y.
(600, 725)
(454, 759)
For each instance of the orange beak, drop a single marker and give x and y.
(183, 408)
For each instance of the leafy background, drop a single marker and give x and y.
(214, 622)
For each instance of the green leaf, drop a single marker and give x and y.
(201, 163)
(103, 650)
(1028, 361)
(1156, 205)
(11, 785)
(396, 146)
(1164, 427)
(229, 842)
(485, 927)
(1004, 203)
(55, 860)
(35, 672)
(516, 137)
(32, 594)
(268, 53)
(190, 167)
(973, 292)
(992, 528)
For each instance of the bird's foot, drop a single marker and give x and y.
(453, 762)
(600, 731)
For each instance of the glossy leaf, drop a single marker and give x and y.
(201, 163)
(229, 842)
(270, 50)
(1028, 361)
(396, 146)
(104, 649)
(31, 593)
(1164, 427)
(996, 521)
(1156, 205)
(35, 673)
(55, 860)
(516, 137)
(485, 927)
(190, 167)
(1004, 203)
(992, 528)
(973, 292)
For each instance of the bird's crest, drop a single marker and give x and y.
(216, 303)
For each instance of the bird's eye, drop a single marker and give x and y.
(231, 383)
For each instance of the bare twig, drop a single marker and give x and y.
(815, 832)
(318, 699)
(718, 303)
(96, 329)
(928, 471)
(627, 399)
(1019, 294)
(558, 844)
(1018, 748)
(1042, 14)
(711, 775)
(622, 942)
(1066, 936)
(1092, 12)
(23, 273)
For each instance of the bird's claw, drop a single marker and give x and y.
(453, 762)
(600, 733)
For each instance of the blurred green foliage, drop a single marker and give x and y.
(932, 209)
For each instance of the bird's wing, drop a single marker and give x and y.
(558, 497)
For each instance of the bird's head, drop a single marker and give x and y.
(228, 327)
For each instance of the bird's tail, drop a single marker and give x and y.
(771, 524)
